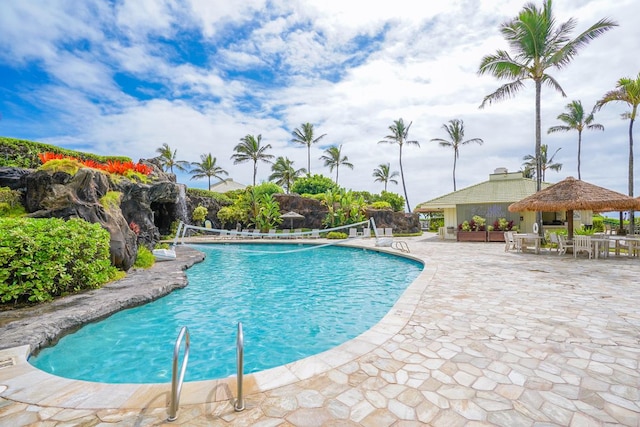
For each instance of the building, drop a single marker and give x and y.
(227, 185)
(490, 200)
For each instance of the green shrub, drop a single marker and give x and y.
(336, 235)
(62, 165)
(380, 205)
(598, 224)
(395, 200)
(111, 200)
(41, 259)
(161, 246)
(199, 214)
(144, 258)
(221, 198)
(314, 184)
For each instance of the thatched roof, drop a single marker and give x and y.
(572, 194)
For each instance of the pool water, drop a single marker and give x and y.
(293, 301)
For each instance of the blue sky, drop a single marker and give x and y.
(123, 77)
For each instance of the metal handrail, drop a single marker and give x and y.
(239, 405)
(176, 383)
(401, 246)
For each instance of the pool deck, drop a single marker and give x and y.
(481, 337)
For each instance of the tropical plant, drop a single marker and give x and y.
(313, 184)
(169, 159)
(268, 213)
(383, 174)
(207, 168)
(530, 163)
(144, 258)
(576, 119)
(395, 200)
(455, 129)
(199, 214)
(284, 174)
(344, 208)
(537, 45)
(399, 135)
(304, 135)
(628, 91)
(249, 149)
(333, 158)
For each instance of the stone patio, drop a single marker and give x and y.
(482, 337)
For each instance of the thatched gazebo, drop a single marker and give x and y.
(571, 194)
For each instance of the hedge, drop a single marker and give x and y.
(24, 154)
(41, 259)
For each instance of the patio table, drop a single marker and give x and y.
(633, 243)
(596, 242)
(521, 239)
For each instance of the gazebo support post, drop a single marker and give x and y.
(570, 224)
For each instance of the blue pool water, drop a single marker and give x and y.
(293, 301)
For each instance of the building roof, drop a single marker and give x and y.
(227, 185)
(502, 187)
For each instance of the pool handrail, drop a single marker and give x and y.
(239, 405)
(176, 382)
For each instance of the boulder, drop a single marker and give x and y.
(13, 177)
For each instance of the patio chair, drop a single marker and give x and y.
(272, 233)
(563, 244)
(555, 244)
(285, 234)
(582, 244)
(315, 233)
(366, 232)
(509, 242)
(353, 233)
(379, 232)
(297, 233)
(388, 232)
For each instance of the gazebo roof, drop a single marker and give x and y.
(573, 194)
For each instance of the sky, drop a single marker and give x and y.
(124, 77)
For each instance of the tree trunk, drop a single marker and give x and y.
(579, 149)
(538, 156)
(403, 184)
(455, 157)
(631, 213)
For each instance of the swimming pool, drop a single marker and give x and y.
(293, 300)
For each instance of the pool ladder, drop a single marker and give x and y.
(178, 379)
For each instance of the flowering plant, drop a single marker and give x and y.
(112, 166)
(477, 223)
(503, 225)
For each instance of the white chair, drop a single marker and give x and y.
(285, 234)
(388, 232)
(272, 233)
(297, 233)
(563, 244)
(366, 232)
(315, 233)
(509, 242)
(555, 244)
(379, 232)
(582, 244)
(353, 233)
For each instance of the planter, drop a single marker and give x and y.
(495, 236)
(472, 236)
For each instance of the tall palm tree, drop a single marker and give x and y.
(455, 129)
(530, 163)
(538, 44)
(304, 135)
(576, 119)
(333, 158)
(383, 174)
(284, 174)
(628, 91)
(168, 159)
(207, 168)
(399, 135)
(249, 149)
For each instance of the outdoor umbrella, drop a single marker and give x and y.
(292, 215)
(571, 194)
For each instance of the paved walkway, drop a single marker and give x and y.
(482, 337)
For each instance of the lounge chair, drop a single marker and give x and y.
(555, 244)
(366, 232)
(272, 233)
(509, 241)
(388, 232)
(315, 233)
(297, 233)
(353, 233)
(285, 234)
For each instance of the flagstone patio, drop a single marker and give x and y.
(482, 337)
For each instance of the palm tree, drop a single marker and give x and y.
(455, 129)
(249, 149)
(284, 174)
(168, 159)
(627, 91)
(333, 158)
(545, 163)
(305, 136)
(207, 168)
(383, 174)
(575, 119)
(538, 44)
(399, 135)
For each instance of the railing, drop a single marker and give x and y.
(177, 381)
(239, 405)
